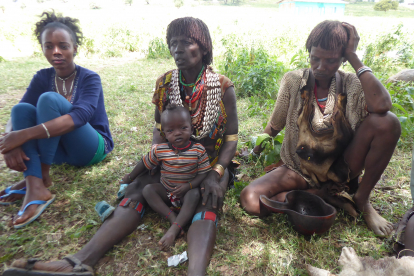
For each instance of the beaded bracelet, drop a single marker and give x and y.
(178, 225)
(362, 70)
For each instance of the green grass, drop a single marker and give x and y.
(245, 245)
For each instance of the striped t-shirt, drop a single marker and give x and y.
(177, 167)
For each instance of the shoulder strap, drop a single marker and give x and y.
(339, 86)
(311, 81)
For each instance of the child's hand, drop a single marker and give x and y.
(126, 179)
(181, 190)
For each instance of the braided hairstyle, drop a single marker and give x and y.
(193, 28)
(329, 35)
(53, 20)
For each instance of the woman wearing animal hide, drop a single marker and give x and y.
(336, 125)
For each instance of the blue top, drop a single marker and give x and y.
(87, 99)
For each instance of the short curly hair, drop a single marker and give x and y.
(329, 35)
(53, 20)
(193, 28)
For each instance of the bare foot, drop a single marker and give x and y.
(375, 222)
(168, 239)
(13, 197)
(58, 266)
(35, 194)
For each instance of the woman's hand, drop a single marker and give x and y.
(353, 40)
(181, 190)
(15, 159)
(211, 186)
(12, 140)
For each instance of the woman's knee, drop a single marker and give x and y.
(23, 109)
(193, 194)
(49, 100)
(387, 123)
(134, 192)
(249, 198)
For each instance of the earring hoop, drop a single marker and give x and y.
(344, 63)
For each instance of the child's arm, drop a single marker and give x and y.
(182, 189)
(139, 168)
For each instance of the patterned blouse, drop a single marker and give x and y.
(177, 167)
(289, 104)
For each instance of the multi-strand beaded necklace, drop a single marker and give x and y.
(203, 106)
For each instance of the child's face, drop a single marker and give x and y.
(177, 128)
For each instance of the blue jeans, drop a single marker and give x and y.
(75, 148)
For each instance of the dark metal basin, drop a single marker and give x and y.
(308, 213)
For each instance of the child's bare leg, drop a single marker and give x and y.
(156, 197)
(190, 202)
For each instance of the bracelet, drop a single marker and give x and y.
(191, 186)
(219, 169)
(362, 70)
(47, 131)
(232, 137)
(178, 225)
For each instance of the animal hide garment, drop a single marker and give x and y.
(320, 151)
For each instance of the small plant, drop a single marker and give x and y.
(157, 48)
(271, 148)
(129, 2)
(2, 59)
(377, 56)
(178, 3)
(88, 45)
(253, 71)
(385, 5)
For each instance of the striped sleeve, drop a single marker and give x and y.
(150, 160)
(203, 163)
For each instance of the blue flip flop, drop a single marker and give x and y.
(121, 193)
(104, 210)
(42, 206)
(10, 192)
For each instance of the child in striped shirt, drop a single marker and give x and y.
(184, 165)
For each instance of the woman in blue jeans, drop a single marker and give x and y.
(60, 119)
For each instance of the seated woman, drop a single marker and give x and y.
(211, 100)
(337, 124)
(60, 119)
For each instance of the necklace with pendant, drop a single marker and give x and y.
(65, 92)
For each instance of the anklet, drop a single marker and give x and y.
(168, 214)
(178, 225)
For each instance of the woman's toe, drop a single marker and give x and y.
(27, 214)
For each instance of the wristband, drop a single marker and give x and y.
(219, 169)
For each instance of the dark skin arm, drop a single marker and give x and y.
(210, 186)
(377, 98)
(182, 189)
(56, 127)
(139, 168)
(11, 142)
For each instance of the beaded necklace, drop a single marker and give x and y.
(211, 100)
(191, 84)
